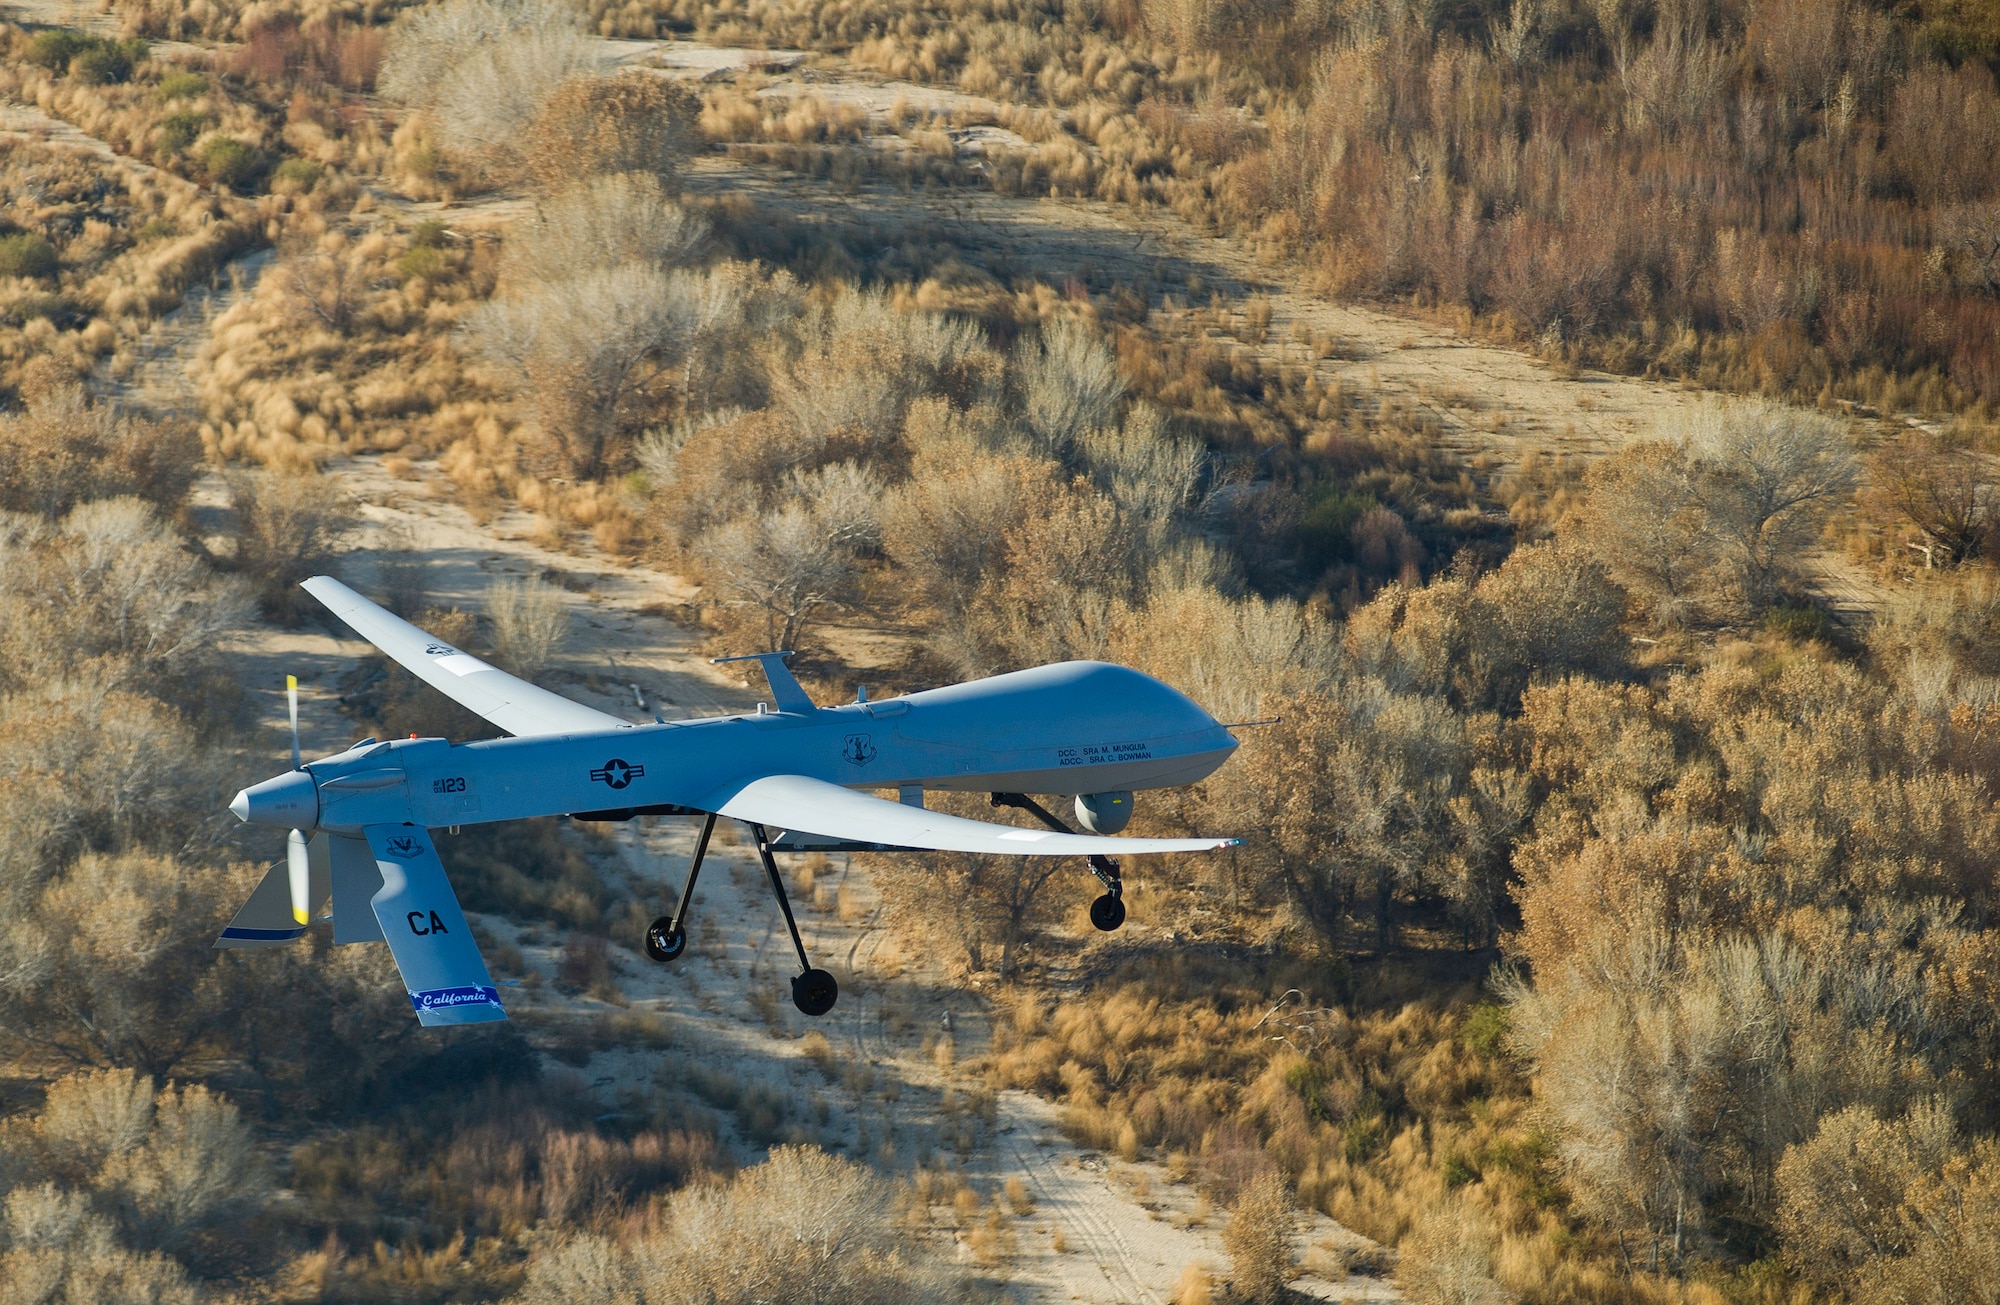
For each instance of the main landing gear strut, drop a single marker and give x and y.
(1108, 911)
(814, 991)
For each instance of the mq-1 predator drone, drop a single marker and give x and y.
(360, 820)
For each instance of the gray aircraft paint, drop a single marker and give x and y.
(1074, 728)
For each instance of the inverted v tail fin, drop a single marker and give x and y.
(267, 919)
(426, 931)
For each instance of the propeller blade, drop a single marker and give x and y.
(292, 699)
(299, 865)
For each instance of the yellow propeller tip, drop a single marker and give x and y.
(299, 916)
(291, 681)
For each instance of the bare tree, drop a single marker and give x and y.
(286, 527)
(1766, 475)
(324, 283)
(786, 565)
(1717, 518)
(1643, 522)
(1944, 488)
(605, 222)
(597, 351)
(1069, 384)
(484, 68)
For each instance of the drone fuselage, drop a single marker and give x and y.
(1074, 728)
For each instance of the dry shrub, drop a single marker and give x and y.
(109, 246)
(1193, 1287)
(753, 1239)
(1448, 1258)
(114, 588)
(1259, 1240)
(597, 350)
(1712, 524)
(483, 69)
(234, 20)
(338, 349)
(595, 126)
(530, 622)
(63, 450)
(287, 525)
(66, 1251)
(604, 222)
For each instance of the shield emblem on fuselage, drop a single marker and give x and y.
(858, 750)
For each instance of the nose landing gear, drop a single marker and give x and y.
(1108, 911)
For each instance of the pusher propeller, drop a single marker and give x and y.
(298, 869)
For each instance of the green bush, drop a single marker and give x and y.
(1485, 1029)
(155, 229)
(95, 60)
(1323, 533)
(180, 130)
(182, 86)
(424, 261)
(103, 66)
(54, 49)
(296, 176)
(226, 161)
(30, 306)
(1799, 622)
(26, 254)
(430, 234)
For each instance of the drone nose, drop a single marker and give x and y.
(290, 801)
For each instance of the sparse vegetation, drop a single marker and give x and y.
(1612, 921)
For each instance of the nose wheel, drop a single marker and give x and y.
(1108, 911)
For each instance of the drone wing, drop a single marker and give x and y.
(513, 704)
(794, 802)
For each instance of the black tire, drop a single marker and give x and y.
(814, 993)
(1107, 913)
(664, 942)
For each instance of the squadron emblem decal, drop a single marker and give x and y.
(617, 773)
(404, 848)
(858, 750)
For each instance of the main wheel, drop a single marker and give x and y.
(1107, 912)
(664, 942)
(814, 993)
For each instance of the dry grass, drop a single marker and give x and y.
(346, 345)
(96, 250)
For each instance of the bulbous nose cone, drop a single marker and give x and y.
(291, 801)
